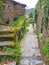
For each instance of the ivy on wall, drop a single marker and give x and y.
(44, 4)
(1, 7)
(38, 6)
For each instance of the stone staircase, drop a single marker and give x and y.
(5, 43)
(6, 38)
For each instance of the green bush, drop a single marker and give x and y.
(0, 21)
(15, 52)
(1, 7)
(30, 15)
(18, 22)
(42, 39)
(37, 32)
(45, 49)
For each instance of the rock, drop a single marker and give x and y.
(24, 62)
(39, 63)
(12, 63)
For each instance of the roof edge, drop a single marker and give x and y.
(19, 3)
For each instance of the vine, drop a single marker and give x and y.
(1, 9)
(1, 6)
(44, 4)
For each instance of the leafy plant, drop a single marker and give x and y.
(37, 32)
(44, 5)
(18, 23)
(31, 15)
(0, 20)
(1, 7)
(45, 49)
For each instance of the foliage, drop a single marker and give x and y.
(15, 18)
(45, 49)
(37, 32)
(29, 10)
(17, 23)
(31, 20)
(44, 5)
(17, 52)
(25, 30)
(0, 20)
(1, 7)
(42, 39)
(38, 6)
(14, 51)
(30, 15)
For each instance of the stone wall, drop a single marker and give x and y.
(19, 10)
(47, 37)
(46, 31)
(39, 20)
(10, 10)
(40, 27)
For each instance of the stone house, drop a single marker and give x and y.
(11, 9)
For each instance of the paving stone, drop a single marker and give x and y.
(30, 49)
(24, 62)
(33, 62)
(39, 62)
(11, 63)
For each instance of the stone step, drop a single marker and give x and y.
(31, 62)
(6, 39)
(39, 58)
(6, 28)
(6, 43)
(9, 63)
(36, 62)
(4, 53)
(12, 63)
(7, 35)
(6, 32)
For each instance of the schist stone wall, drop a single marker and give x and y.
(39, 20)
(40, 27)
(19, 8)
(11, 9)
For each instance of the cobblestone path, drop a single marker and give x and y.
(30, 50)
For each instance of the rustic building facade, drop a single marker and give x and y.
(11, 9)
(19, 8)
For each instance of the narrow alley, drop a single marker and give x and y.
(30, 49)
